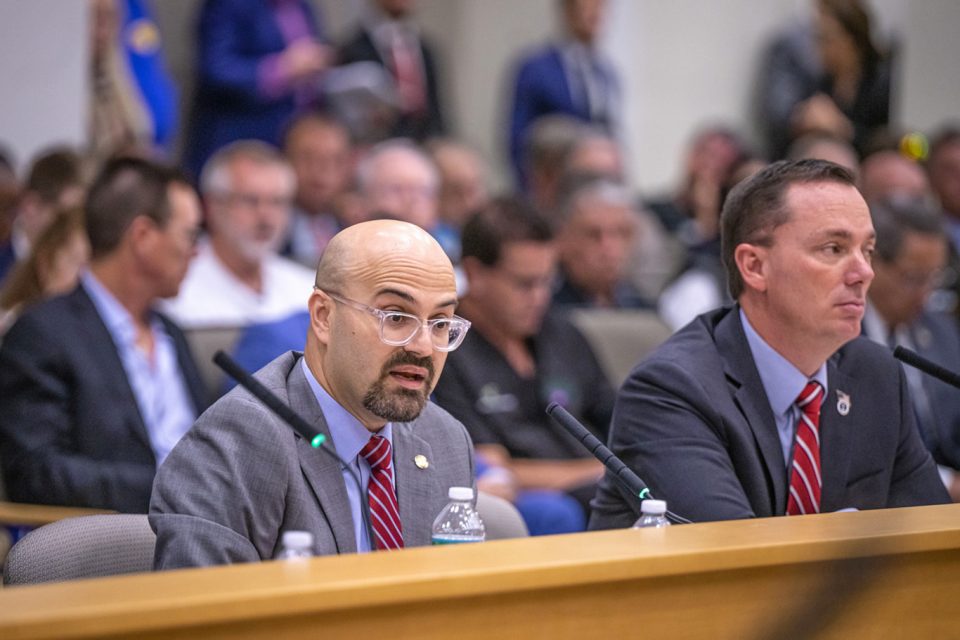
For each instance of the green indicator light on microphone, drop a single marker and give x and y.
(318, 440)
(645, 493)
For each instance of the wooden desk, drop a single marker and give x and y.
(889, 573)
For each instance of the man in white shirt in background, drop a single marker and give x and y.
(237, 277)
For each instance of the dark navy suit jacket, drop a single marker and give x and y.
(234, 37)
(70, 429)
(694, 422)
(541, 88)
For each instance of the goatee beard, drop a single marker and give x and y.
(399, 405)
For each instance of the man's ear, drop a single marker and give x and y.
(751, 260)
(142, 236)
(320, 306)
(474, 270)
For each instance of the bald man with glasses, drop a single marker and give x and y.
(381, 325)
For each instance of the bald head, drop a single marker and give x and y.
(375, 250)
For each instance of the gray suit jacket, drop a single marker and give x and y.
(694, 422)
(241, 477)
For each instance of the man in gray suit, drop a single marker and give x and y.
(381, 324)
(776, 406)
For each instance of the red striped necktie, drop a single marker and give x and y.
(805, 478)
(384, 512)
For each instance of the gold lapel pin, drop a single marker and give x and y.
(843, 403)
(421, 461)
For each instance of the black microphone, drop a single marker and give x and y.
(621, 472)
(295, 421)
(930, 368)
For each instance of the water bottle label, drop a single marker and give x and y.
(438, 540)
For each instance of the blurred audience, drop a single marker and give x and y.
(569, 76)
(702, 283)
(518, 357)
(52, 268)
(845, 91)
(258, 63)
(96, 387)
(546, 150)
(54, 182)
(237, 277)
(597, 230)
(319, 150)
(888, 173)
(389, 36)
(911, 254)
(463, 185)
(825, 146)
(396, 179)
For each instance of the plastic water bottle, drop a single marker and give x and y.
(295, 545)
(652, 514)
(459, 521)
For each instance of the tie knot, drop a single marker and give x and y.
(810, 398)
(377, 453)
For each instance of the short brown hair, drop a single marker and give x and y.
(125, 189)
(755, 207)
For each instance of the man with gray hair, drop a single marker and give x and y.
(597, 232)
(237, 278)
(908, 266)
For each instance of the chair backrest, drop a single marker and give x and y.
(204, 343)
(84, 547)
(620, 338)
(501, 519)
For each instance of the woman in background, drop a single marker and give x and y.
(53, 267)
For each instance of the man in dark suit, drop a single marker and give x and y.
(389, 37)
(95, 387)
(776, 405)
(569, 77)
(911, 256)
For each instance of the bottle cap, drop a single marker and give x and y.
(297, 539)
(654, 507)
(460, 493)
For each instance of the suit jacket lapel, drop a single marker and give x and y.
(752, 401)
(414, 485)
(322, 472)
(835, 437)
(104, 357)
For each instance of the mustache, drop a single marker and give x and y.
(405, 357)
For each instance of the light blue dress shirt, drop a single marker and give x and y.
(783, 383)
(157, 383)
(349, 436)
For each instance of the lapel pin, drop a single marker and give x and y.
(421, 461)
(843, 403)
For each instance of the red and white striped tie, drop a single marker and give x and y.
(384, 512)
(805, 478)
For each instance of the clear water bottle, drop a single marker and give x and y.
(459, 521)
(652, 514)
(295, 544)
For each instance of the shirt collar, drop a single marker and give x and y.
(348, 434)
(118, 320)
(782, 381)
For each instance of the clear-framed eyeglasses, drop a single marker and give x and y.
(398, 328)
